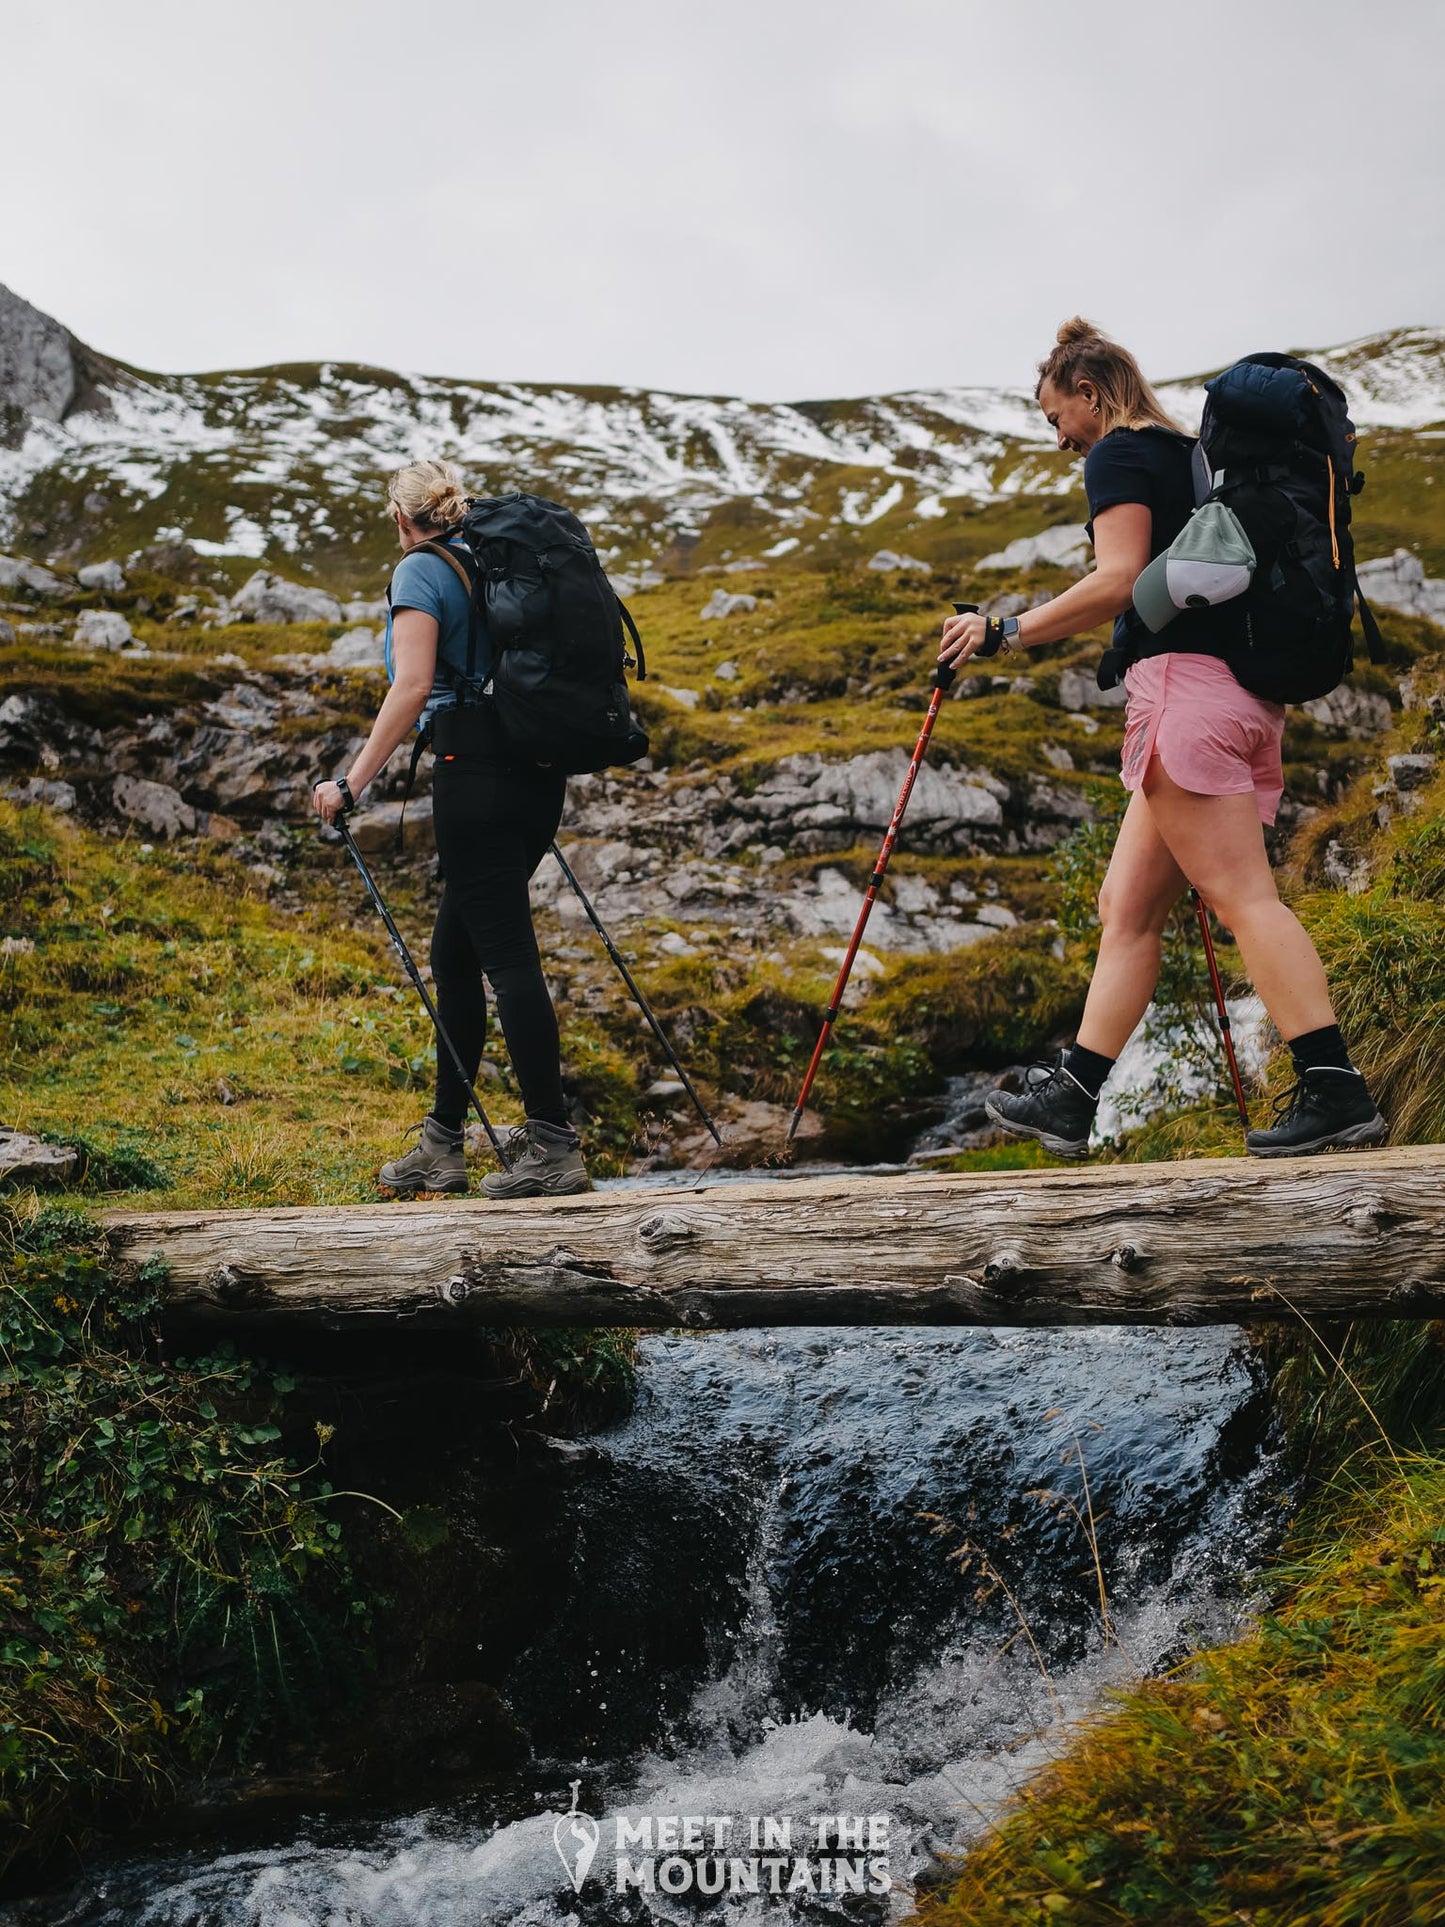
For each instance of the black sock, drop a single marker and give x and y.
(1088, 1068)
(1320, 1049)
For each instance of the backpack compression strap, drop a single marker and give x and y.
(1374, 641)
(637, 639)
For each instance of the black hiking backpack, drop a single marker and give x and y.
(1280, 450)
(554, 624)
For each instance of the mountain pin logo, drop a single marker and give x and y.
(576, 1838)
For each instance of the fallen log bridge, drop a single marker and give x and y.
(1218, 1241)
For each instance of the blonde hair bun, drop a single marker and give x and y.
(430, 494)
(1076, 329)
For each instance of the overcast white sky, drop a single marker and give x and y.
(777, 198)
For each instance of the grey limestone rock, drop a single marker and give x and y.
(887, 560)
(1077, 690)
(1399, 582)
(1064, 547)
(721, 604)
(1359, 712)
(26, 1160)
(107, 577)
(357, 649)
(103, 629)
(37, 363)
(155, 806)
(17, 573)
(265, 597)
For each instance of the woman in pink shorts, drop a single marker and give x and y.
(1202, 762)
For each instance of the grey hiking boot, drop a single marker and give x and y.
(1053, 1108)
(546, 1163)
(439, 1162)
(1329, 1109)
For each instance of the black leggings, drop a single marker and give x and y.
(494, 823)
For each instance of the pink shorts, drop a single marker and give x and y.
(1209, 733)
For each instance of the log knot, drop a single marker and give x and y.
(666, 1229)
(1003, 1266)
(238, 1290)
(1127, 1258)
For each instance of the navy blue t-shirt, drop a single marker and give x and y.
(1153, 466)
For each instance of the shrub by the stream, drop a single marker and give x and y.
(173, 1586)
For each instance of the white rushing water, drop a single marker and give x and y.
(763, 1508)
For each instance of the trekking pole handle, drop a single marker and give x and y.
(944, 675)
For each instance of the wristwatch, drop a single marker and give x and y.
(1008, 635)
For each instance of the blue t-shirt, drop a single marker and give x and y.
(1154, 466)
(423, 581)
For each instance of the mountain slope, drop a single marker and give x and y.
(290, 461)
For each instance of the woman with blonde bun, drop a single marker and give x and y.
(494, 818)
(1201, 759)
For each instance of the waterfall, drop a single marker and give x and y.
(813, 1573)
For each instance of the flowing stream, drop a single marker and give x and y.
(829, 1597)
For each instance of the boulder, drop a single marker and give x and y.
(375, 829)
(726, 672)
(887, 560)
(364, 611)
(26, 1160)
(1399, 582)
(1359, 712)
(107, 577)
(1411, 772)
(155, 806)
(17, 573)
(358, 649)
(102, 629)
(56, 796)
(807, 793)
(722, 604)
(637, 582)
(7, 632)
(1077, 690)
(1064, 547)
(264, 597)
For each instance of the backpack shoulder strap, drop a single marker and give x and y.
(464, 570)
(1202, 474)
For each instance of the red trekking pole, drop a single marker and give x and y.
(1202, 912)
(942, 676)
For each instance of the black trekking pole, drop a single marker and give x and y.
(421, 990)
(642, 1004)
(942, 678)
(1201, 910)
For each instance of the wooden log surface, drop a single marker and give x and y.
(1210, 1241)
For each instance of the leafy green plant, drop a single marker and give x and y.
(173, 1583)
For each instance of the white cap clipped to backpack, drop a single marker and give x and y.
(1211, 560)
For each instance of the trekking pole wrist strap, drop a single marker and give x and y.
(348, 801)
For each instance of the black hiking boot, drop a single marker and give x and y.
(1328, 1110)
(1053, 1108)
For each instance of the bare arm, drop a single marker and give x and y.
(414, 656)
(1121, 549)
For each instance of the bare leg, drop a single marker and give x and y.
(1141, 888)
(1218, 844)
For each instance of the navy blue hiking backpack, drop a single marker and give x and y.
(1280, 448)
